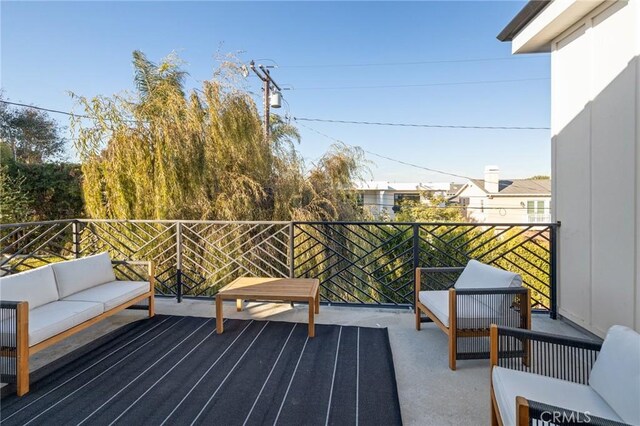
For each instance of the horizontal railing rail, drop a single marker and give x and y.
(357, 263)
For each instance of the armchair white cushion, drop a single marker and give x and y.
(479, 275)
(509, 384)
(76, 275)
(616, 373)
(38, 287)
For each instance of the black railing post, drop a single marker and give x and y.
(416, 256)
(291, 250)
(553, 254)
(179, 261)
(75, 230)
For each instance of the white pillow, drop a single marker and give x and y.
(480, 275)
(616, 373)
(38, 287)
(80, 274)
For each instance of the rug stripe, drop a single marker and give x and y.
(200, 376)
(146, 370)
(309, 395)
(54, 400)
(268, 376)
(375, 371)
(343, 408)
(213, 395)
(333, 377)
(120, 344)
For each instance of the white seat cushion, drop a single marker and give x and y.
(53, 318)
(473, 314)
(509, 384)
(80, 274)
(38, 287)
(616, 373)
(111, 294)
(480, 275)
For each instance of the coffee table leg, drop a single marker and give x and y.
(239, 305)
(312, 326)
(318, 302)
(219, 319)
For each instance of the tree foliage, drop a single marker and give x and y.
(163, 153)
(435, 210)
(32, 135)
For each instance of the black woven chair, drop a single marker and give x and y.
(465, 313)
(536, 356)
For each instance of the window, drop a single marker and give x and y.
(400, 198)
(536, 211)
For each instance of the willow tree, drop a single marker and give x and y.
(165, 153)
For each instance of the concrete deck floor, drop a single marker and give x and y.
(430, 393)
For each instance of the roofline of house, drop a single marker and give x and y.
(526, 15)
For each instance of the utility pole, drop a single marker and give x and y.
(262, 71)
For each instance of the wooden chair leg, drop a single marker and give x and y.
(152, 289)
(418, 319)
(152, 305)
(494, 416)
(452, 350)
(22, 349)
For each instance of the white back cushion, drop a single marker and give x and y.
(38, 287)
(80, 274)
(480, 275)
(616, 373)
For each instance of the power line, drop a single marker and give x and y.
(57, 111)
(399, 86)
(436, 126)
(384, 64)
(395, 160)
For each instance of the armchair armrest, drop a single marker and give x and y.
(442, 277)
(534, 412)
(561, 357)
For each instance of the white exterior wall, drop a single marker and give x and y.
(595, 161)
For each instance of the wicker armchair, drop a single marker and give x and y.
(539, 378)
(464, 302)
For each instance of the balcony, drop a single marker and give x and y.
(365, 271)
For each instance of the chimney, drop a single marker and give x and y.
(491, 179)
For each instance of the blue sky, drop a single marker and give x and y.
(51, 48)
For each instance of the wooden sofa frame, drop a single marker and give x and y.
(22, 351)
(453, 331)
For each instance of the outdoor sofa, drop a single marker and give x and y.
(45, 305)
(464, 308)
(540, 378)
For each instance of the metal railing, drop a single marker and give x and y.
(359, 263)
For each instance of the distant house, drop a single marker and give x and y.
(495, 200)
(383, 199)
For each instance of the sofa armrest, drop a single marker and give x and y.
(14, 341)
(533, 412)
(561, 357)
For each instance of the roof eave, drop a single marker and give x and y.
(526, 15)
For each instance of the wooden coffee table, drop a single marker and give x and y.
(271, 290)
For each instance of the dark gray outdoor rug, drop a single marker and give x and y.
(176, 370)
